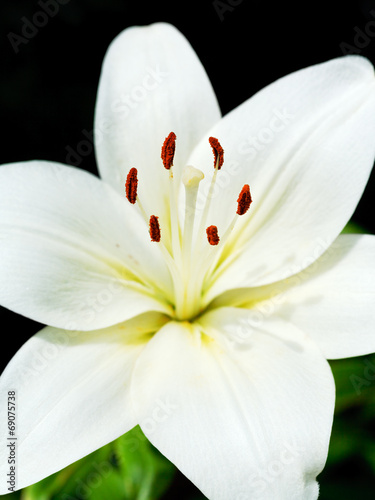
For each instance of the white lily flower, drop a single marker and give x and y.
(204, 319)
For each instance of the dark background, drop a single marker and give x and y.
(48, 89)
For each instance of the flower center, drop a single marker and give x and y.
(192, 256)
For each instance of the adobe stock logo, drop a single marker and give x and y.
(221, 7)
(362, 37)
(277, 123)
(120, 108)
(30, 28)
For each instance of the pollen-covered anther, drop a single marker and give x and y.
(244, 200)
(131, 185)
(168, 149)
(155, 229)
(212, 235)
(218, 152)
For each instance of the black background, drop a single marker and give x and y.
(48, 89)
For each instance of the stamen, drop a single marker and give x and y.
(244, 200)
(131, 185)
(212, 235)
(168, 149)
(219, 160)
(243, 204)
(218, 152)
(154, 229)
(167, 155)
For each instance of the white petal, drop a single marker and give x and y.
(242, 423)
(314, 149)
(72, 394)
(333, 299)
(152, 83)
(70, 247)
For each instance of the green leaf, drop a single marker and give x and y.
(353, 227)
(11, 496)
(74, 481)
(354, 381)
(109, 487)
(129, 468)
(145, 472)
(345, 441)
(369, 454)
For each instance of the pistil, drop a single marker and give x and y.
(191, 178)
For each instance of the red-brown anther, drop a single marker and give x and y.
(212, 236)
(244, 200)
(131, 185)
(154, 228)
(218, 152)
(168, 149)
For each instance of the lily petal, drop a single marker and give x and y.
(72, 394)
(333, 299)
(305, 145)
(152, 83)
(271, 401)
(73, 252)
